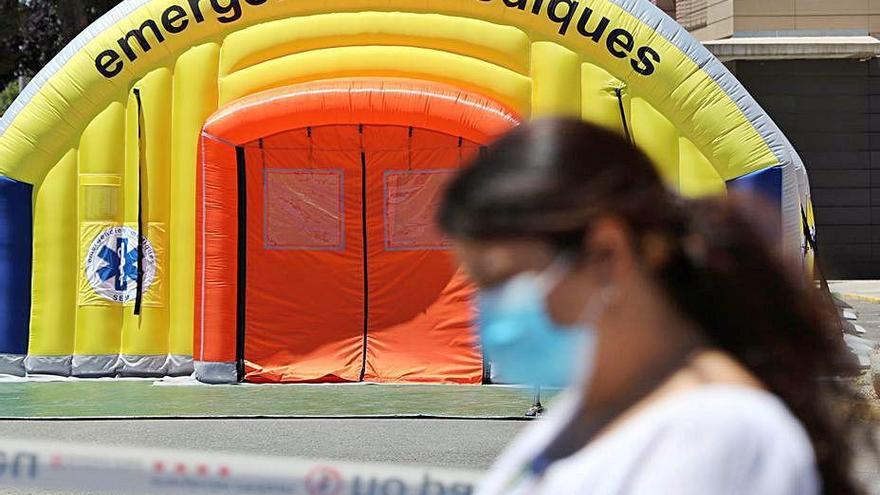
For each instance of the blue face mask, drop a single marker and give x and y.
(521, 340)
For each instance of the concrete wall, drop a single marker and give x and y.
(715, 19)
(830, 109)
(706, 19)
(806, 15)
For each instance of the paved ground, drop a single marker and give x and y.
(869, 316)
(449, 443)
(864, 297)
(863, 288)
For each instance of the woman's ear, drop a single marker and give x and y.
(655, 251)
(609, 250)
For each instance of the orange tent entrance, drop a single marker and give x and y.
(317, 256)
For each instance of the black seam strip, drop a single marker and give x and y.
(241, 296)
(311, 147)
(409, 148)
(812, 244)
(365, 253)
(619, 93)
(139, 294)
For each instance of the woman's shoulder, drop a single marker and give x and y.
(712, 439)
(719, 415)
(722, 438)
(734, 408)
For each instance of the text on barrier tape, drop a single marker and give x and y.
(44, 465)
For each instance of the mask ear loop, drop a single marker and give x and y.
(597, 305)
(553, 274)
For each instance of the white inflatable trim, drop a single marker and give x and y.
(54, 466)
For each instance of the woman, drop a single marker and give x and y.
(693, 358)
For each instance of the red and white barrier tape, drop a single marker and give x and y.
(43, 465)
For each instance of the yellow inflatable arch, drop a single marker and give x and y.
(124, 105)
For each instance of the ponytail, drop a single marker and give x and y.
(724, 276)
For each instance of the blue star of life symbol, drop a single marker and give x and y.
(120, 264)
(113, 261)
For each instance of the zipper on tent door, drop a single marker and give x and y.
(365, 253)
(241, 296)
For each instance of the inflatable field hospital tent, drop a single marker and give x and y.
(250, 185)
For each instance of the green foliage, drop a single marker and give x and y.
(8, 95)
(10, 39)
(33, 31)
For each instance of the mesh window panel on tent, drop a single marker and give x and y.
(304, 210)
(412, 198)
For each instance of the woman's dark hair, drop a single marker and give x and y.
(549, 179)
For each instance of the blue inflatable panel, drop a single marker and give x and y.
(766, 183)
(16, 231)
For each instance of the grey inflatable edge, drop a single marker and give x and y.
(48, 365)
(103, 366)
(12, 364)
(216, 373)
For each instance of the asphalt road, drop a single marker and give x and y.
(869, 317)
(446, 443)
(449, 443)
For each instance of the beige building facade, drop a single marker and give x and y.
(717, 19)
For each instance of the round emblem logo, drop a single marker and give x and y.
(323, 481)
(111, 264)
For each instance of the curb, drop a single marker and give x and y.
(62, 419)
(860, 297)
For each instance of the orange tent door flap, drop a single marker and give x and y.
(420, 323)
(304, 292)
(347, 277)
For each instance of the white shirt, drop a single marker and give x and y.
(716, 439)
